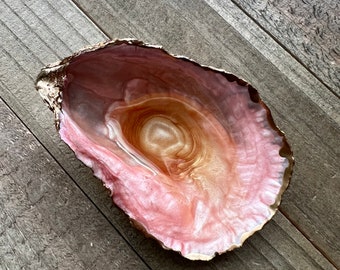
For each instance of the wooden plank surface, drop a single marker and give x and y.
(308, 29)
(39, 32)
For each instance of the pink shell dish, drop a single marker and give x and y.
(190, 153)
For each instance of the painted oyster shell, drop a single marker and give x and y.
(190, 153)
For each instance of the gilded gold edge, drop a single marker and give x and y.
(49, 84)
(284, 152)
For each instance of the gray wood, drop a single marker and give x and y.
(302, 106)
(308, 29)
(44, 31)
(46, 222)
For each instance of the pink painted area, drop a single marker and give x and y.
(184, 216)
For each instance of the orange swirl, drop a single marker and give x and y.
(166, 131)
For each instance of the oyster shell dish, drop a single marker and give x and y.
(190, 153)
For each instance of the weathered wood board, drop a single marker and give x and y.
(52, 208)
(309, 30)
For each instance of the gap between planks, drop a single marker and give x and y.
(305, 235)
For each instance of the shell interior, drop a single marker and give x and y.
(190, 153)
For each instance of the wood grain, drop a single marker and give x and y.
(38, 32)
(309, 30)
(301, 105)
